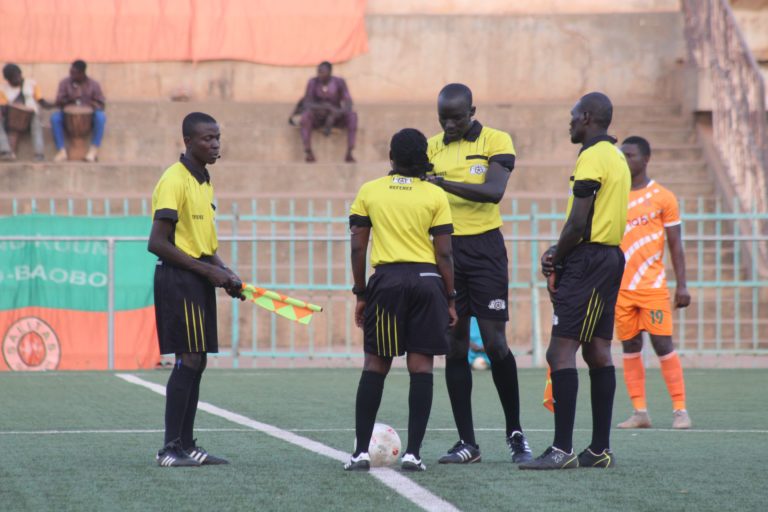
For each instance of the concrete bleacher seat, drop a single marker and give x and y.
(262, 153)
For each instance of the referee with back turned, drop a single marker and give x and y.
(584, 271)
(407, 305)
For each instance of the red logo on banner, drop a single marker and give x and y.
(30, 344)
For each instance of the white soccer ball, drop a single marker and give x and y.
(385, 446)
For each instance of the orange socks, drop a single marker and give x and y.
(672, 371)
(634, 377)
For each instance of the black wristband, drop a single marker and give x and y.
(359, 292)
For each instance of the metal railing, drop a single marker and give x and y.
(302, 247)
(718, 48)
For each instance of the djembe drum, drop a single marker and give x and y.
(19, 118)
(78, 123)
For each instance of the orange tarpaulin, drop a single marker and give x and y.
(285, 32)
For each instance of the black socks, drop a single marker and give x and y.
(177, 393)
(419, 407)
(565, 388)
(505, 378)
(369, 392)
(458, 379)
(603, 388)
(187, 427)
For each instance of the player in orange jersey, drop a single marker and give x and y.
(644, 301)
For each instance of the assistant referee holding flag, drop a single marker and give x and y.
(407, 305)
(188, 270)
(584, 272)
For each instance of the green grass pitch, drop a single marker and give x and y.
(101, 455)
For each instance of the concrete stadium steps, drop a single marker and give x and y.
(531, 178)
(150, 131)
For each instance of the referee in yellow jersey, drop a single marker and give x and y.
(472, 163)
(407, 305)
(584, 271)
(188, 270)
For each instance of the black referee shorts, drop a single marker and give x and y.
(185, 311)
(585, 301)
(480, 275)
(406, 310)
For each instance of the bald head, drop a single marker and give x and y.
(599, 108)
(455, 111)
(590, 117)
(456, 92)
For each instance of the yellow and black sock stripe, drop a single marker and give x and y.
(595, 309)
(386, 334)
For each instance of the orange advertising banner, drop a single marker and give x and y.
(284, 33)
(39, 339)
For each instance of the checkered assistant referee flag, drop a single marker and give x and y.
(287, 307)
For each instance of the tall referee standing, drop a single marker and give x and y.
(584, 271)
(473, 163)
(407, 305)
(188, 270)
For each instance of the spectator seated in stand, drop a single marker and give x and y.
(85, 95)
(326, 104)
(20, 102)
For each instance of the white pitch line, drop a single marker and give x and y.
(113, 431)
(320, 430)
(392, 479)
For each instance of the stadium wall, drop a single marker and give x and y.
(509, 58)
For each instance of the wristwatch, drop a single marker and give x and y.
(452, 294)
(360, 292)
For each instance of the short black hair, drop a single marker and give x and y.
(452, 91)
(192, 120)
(80, 65)
(408, 149)
(599, 106)
(10, 69)
(327, 64)
(640, 142)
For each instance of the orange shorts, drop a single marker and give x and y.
(643, 310)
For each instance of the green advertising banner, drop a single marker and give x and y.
(74, 274)
(54, 293)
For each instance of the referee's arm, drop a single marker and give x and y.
(492, 191)
(359, 236)
(574, 228)
(444, 260)
(160, 245)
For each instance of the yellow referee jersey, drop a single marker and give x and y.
(466, 161)
(185, 196)
(602, 171)
(403, 212)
